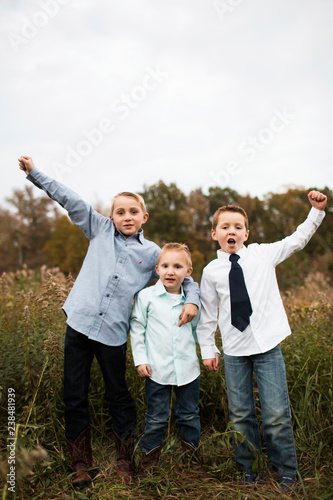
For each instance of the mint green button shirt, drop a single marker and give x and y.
(158, 341)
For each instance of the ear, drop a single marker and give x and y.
(156, 269)
(213, 233)
(145, 218)
(189, 271)
(246, 235)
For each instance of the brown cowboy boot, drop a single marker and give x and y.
(81, 455)
(124, 455)
(149, 461)
(192, 458)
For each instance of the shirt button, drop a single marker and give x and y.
(101, 314)
(116, 277)
(108, 295)
(120, 261)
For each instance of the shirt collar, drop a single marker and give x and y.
(139, 235)
(160, 289)
(225, 255)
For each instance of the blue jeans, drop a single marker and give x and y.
(158, 412)
(79, 354)
(270, 372)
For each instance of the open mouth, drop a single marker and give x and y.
(231, 241)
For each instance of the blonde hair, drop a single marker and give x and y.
(230, 208)
(136, 196)
(177, 247)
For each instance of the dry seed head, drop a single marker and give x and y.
(24, 462)
(52, 346)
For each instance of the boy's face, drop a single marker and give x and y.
(128, 215)
(230, 231)
(172, 268)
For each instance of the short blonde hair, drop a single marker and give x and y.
(136, 196)
(177, 247)
(230, 208)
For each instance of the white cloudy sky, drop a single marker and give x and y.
(227, 72)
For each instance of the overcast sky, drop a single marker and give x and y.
(111, 95)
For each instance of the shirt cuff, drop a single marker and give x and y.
(316, 215)
(216, 350)
(140, 359)
(207, 351)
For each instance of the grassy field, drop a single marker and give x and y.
(32, 328)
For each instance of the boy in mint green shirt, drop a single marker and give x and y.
(165, 354)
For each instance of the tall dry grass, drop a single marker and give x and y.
(32, 327)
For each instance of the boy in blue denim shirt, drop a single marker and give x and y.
(119, 263)
(165, 354)
(251, 335)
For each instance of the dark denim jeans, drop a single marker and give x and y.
(270, 372)
(158, 412)
(79, 354)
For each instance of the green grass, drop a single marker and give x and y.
(32, 328)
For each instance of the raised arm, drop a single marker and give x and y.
(80, 212)
(280, 250)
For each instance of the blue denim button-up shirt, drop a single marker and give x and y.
(114, 269)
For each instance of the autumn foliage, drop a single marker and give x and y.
(35, 233)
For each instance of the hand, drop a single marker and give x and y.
(318, 200)
(212, 363)
(144, 370)
(189, 312)
(26, 164)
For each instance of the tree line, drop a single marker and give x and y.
(34, 232)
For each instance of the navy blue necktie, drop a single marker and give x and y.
(241, 308)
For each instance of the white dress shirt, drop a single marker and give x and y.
(268, 322)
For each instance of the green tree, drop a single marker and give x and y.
(66, 247)
(196, 219)
(10, 252)
(256, 213)
(34, 223)
(165, 205)
(219, 197)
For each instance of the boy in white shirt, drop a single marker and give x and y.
(165, 354)
(251, 335)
